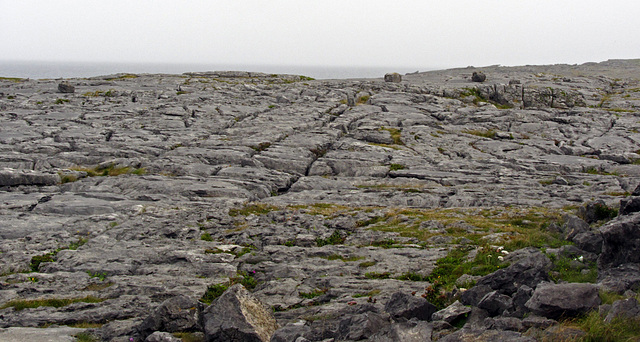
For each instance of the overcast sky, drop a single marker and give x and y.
(424, 33)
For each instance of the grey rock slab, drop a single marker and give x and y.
(451, 313)
(57, 334)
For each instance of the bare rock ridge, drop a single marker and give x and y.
(242, 206)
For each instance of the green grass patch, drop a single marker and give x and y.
(412, 276)
(313, 294)
(109, 170)
(216, 290)
(61, 101)
(396, 167)
(377, 275)
(20, 304)
(206, 237)
(362, 99)
(37, 260)
(366, 264)
(13, 79)
(261, 146)
(334, 239)
(252, 208)
(489, 133)
(189, 337)
(396, 135)
(564, 269)
(85, 337)
(593, 171)
(597, 330)
(340, 257)
(371, 293)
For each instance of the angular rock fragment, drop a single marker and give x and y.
(237, 316)
(563, 300)
(451, 313)
(175, 314)
(405, 306)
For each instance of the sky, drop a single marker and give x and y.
(403, 33)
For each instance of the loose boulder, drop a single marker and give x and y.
(393, 77)
(66, 87)
(175, 314)
(621, 242)
(404, 306)
(478, 76)
(563, 300)
(629, 205)
(237, 316)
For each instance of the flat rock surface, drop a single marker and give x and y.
(138, 188)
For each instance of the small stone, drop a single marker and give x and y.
(393, 77)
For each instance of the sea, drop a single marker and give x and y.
(55, 70)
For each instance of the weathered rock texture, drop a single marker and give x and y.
(143, 191)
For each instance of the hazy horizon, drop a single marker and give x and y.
(408, 34)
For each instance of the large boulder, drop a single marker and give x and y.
(175, 314)
(563, 300)
(494, 303)
(629, 205)
(237, 316)
(393, 77)
(478, 76)
(530, 269)
(621, 242)
(402, 306)
(66, 87)
(625, 308)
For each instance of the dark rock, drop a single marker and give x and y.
(504, 323)
(476, 318)
(625, 308)
(361, 326)
(393, 77)
(518, 301)
(514, 82)
(573, 226)
(179, 313)
(621, 242)
(589, 241)
(405, 306)
(563, 300)
(629, 205)
(636, 191)
(531, 269)
(621, 278)
(473, 295)
(495, 303)
(478, 76)
(559, 333)
(451, 313)
(238, 316)
(596, 211)
(66, 87)
(468, 335)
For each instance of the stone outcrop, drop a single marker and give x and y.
(136, 198)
